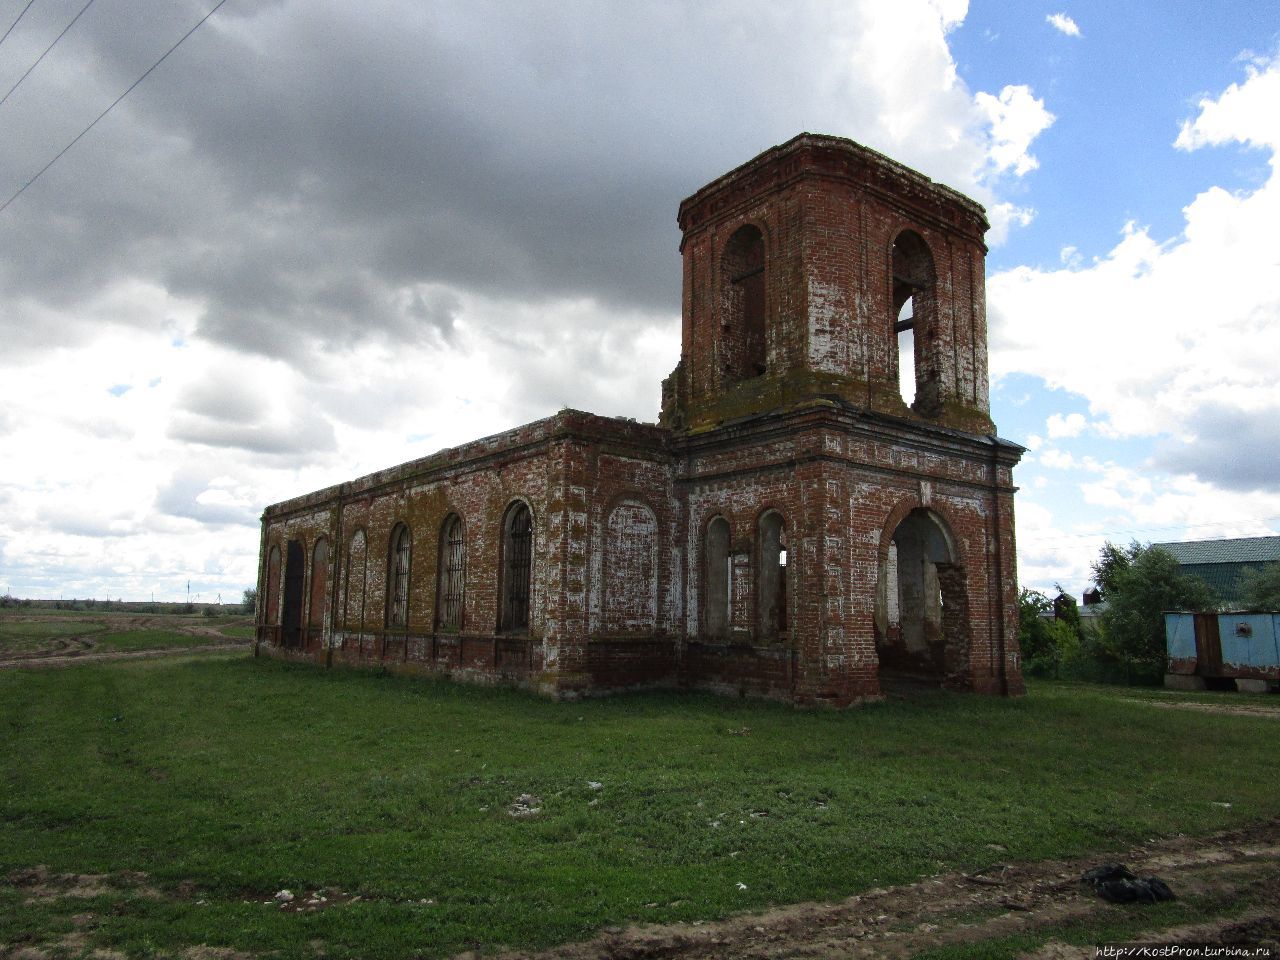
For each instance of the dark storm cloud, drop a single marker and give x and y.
(298, 171)
(1232, 448)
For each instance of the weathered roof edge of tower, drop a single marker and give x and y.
(816, 141)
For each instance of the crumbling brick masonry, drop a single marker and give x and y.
(823, 502)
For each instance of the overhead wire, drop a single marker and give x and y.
(46, 50)
(1108, 534)
(112, 106)
(15, 20)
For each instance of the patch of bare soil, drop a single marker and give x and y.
(64, 651)
(957, 908)
(1231, 709)
(39, 884)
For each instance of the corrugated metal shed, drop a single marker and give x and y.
(1221, 563)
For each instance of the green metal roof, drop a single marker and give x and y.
(1222, 563)
(1251, 550)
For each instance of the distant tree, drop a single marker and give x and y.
(1045, 639)
(1112, 562)
(1065, 609)
(251, 600)
(1140, 583)
(1260, 587)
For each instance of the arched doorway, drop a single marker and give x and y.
(922, 604)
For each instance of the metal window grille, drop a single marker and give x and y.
(518, 551)
(451, 575)
(399, 613)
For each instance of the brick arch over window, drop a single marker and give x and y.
(742, 304)
(357, 572)
(319, 584)
(914, 322)
(516, 567)
(716, 579)
(400, 555)
(451, 574)
(771, 576)
(631, 568)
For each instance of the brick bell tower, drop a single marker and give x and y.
(833, 379)
(824, 269)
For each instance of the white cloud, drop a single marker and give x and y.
(1245, 113)
(1063, 24)
(1175, 337)
(1016, 118)
(1069, 426)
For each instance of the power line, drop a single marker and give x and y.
(144, 76)
(1108, 534)
(47, 49)
(15, 22)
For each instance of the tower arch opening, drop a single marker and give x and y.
(742, 304)
(914, 330)
(922, 609)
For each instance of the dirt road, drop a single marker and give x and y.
(61, 651)
(955, 909)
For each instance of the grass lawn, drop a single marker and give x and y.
(226, 779)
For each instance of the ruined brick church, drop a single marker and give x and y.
(823, 502)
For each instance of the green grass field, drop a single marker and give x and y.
(225, 779)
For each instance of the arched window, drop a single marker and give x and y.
(294, 578)
(398, 578)
(913, 300)
(517, 563)
(717, 580)
(771, 576)
(742, 307)
(356, 572)
(451, 572)
(271, 611)
(631, 568)
(319, 583)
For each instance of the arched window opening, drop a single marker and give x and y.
(319, 584)
(771, 583)
(294, 577)
(398, 581)
(517, 567)
(905, 329)
(356, 573)
(451, 575)
(717, 579)
(271, 611)
(913, 299)
(743, 304)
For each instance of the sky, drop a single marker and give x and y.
(321, 238)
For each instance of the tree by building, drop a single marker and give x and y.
(1046, 638)
(1260, 587)
(1139, 584)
